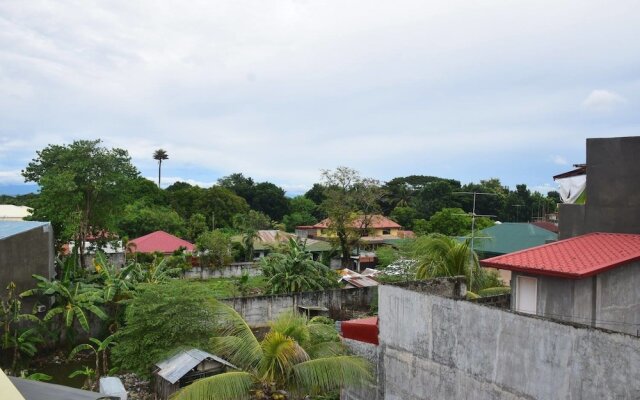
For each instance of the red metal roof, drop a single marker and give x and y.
(363, 330)
(550, 226)
(376, 222)
(576, 257)
(160, 241)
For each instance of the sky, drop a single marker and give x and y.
(280, 90)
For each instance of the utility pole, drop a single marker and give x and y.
(473, 222)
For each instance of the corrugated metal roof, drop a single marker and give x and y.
(176, 367)
(578, 257)
(511, 236)
(34, 390)
(375, 222)
(12, 228)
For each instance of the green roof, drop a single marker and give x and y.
(511, 236)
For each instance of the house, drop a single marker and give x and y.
(353, 279)
(26, 248)
(9, 212)
(161, 242)
(267, 240)
(509, 237)
(185, 367)
(591, 279)
(374, 229)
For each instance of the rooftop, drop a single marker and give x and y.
(160, 241)
(577, 257)
(11, 228)
(376, 222)
(511, 236)
(174, 368)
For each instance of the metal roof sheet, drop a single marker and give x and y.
(511, 236)
(174, 368)
(578, 257)
(12, 228)
(34, 390)
(160, 241)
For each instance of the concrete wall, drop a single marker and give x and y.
(228, 271)
(372, 353)
(613, 192)
(615, 306)
(25, 254)
(259, 310)
(438, 348)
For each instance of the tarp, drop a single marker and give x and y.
(571, 188)
(362, 330)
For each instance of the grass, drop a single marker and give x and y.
(227, 287)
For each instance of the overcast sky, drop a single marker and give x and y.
(279, 90)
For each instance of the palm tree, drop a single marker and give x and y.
(296, 358)
(440, 255)
(295, 271)
(247, 242)
(160, 155)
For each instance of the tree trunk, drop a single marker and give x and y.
(159, 171)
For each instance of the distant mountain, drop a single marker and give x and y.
(16, 189)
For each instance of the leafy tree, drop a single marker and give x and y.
(214, 248)
(237, 183)
(302, 210)
(186, 199)
(219, 205)
(160, 270)
(437, 195)
(349, 197)
(83, 188)
(140, 219)
(252, 221)
(294, 270)
(160, 155)
(404, 216)
(295, 358)
(161, 319)
(196, 226)
(143, 190)
(455, 222)
(271, 200)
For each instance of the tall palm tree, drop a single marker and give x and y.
(160, 155)
(296, 358)
(440, 255)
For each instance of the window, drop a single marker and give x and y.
(526, 294)
(386, 231)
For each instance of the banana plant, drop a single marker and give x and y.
(99, 348)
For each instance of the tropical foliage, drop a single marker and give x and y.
(294, 270)
(296, 358)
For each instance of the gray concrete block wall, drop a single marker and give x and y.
(438, 348)
(260, 310)
(228, 271)
(375, 390)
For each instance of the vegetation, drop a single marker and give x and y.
(160, 319)
(293, 270)
(160, 155)
(296, 358)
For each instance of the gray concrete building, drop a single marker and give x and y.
(612, 190)
(591, 279)
(26, 248)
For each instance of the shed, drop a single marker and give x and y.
(184, 368)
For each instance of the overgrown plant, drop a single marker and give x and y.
(100, 350)
(296, 358)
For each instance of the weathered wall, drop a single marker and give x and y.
(438, 348)
(613, 192)
(25, 254)
(370, 352)
(259, 310)
(616, 305)
(228, 271)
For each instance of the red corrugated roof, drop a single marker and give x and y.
(376, 222)
(577, 257)
(550, 226)
(363, 330)
(160, 241)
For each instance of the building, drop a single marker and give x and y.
(185, 367)
(26, 248)
(267, 240)
(9, 212)
(612, 201)
(591, 279)
(160, 242)
(374, 230)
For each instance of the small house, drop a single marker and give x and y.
(591, 279)
(160, 242)
(185, 367)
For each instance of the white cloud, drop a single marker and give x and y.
(559, 160)
(11, 177)
(603, 101)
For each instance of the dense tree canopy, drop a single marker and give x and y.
(83, 187)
